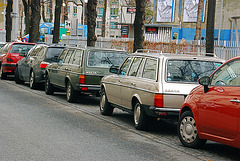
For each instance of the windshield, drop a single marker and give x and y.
(21, 48)
(53, 52)
(105, 58)
(188, 70)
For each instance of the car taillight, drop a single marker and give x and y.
(43, 65)
(158, 100)
(82, 79)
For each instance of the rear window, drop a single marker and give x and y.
(53, 52)
(20, 48)
(189, 70)
(105, 58)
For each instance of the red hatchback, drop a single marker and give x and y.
(11, 53)
(212, 110)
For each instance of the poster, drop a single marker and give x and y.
(165, 10)
(191, 10)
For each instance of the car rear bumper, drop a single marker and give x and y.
(9, 68)
(161, 112)
(89, 88)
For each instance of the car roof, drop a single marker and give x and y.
(179, 56)
(95, 48)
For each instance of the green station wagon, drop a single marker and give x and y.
(80, 70)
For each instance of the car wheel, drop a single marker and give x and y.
(49, 89)
(32, 82)
(187, 131)
(71, 93)
(2, 75)
(105, 107)
(16, 77)
(141, 120)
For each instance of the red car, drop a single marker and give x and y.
(11, 53)
(212, 110)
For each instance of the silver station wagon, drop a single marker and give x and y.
(153, 85)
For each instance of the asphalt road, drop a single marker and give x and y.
(35, 126)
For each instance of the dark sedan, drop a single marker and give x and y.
(32, 68)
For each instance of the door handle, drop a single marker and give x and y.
(134, 84)
(120, 81)
(237, 101)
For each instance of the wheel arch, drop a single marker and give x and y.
(135, 99)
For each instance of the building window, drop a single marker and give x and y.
(113, 25)
(115, 2)
(99, 24)
(48, 11)
(114, 12)
(74, 11)
(99, 12)
(68, 9)
(100, 2)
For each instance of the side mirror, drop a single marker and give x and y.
(23, 54)
(113, 69)
(205, 81)
(60, 62)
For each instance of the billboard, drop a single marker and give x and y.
(165, 10)
(191, 10)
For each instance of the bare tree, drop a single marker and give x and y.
(139, 24)
(35, 19)
(91, 22)
(26, 4)
(57, 21)
(199, 20)
(9, 20)
(104, 18)
(65, 11)
(49, 5)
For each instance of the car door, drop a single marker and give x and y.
(219, 108)
(130, 82)
(115, 82)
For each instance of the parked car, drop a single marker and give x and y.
(79, 70)
(212, 110)
(32, 67)
(153, 85)
(12, 52)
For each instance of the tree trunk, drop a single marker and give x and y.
(104, 18)
(65, 12)
(210, 27)
(51, 12)
(139, 24)
(91, 22)
(35, 19)
(27, 15)
(199, 20)
(43, 11)
(9, 20)
(57, 21)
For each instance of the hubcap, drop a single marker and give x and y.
(137, 113)
(103, 98)
(188, 130)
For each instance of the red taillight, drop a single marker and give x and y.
(82, 79)
(158, 100)
(84, 88)
(43, 65)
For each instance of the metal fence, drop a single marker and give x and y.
(222, 49)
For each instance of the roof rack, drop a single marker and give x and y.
(148, 51)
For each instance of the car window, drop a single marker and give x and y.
(78, 57)
(21, 48)
(227, 75)
(105, 58)
(6, 48)
(150, 69)
(189, 70)
(68, 56)
(139, 72)
(53, 52)
(135, 66)
(62, 55)
(41, 52)
(72, 57)
(125, 65)
(35, 51)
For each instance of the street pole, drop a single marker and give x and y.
(83, 18)
(210, 28)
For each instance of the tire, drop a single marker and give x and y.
(105, 107)
(187, 131)
(49, 89)
(71, 93)
(32, 82)
(2, 75)
(16, 77)
(141, 120)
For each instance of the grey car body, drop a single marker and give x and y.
(79, 70)
(153, 85)
(32, 67)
